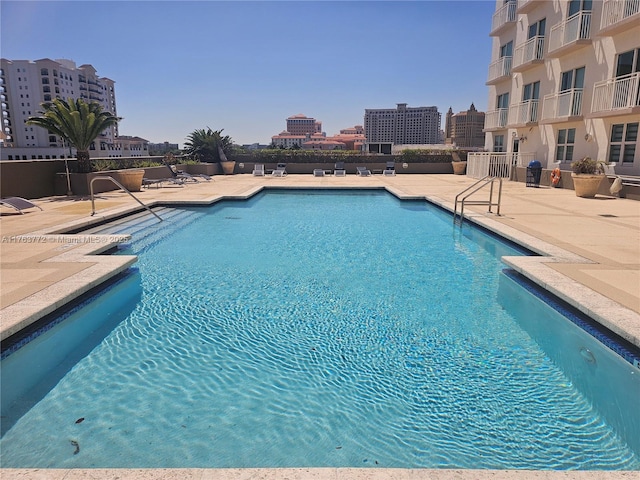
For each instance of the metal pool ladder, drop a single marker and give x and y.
(106, 177)
(470, 190)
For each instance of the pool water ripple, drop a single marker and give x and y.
(316, 344)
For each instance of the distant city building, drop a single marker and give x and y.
(254, 146)
(127, 146)
(162, 148)
(306, 133)
(401, 125)
(465, 129)
(25, 84)
(301, 125)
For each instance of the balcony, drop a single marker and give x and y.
(496, 119)
(524, 113)
(562, 107)
(526, 6)
(499, 70)
(529, 54)
(571, 34)
(616, 96)
(504, 16)
(618, 15)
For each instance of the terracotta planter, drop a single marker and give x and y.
(586, 185)
(130, 179)
(228, 167)
(459, 168)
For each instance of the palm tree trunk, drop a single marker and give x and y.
(84, 163)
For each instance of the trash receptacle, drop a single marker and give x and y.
(534, 172)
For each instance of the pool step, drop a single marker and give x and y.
(144, 228)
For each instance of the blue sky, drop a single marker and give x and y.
(245, 66)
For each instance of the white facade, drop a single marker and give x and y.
(402, 125)
(564, 81)
(25, 84)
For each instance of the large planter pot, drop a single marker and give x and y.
(228, 167)
(586, 185)
(130, 179)
(459, 168)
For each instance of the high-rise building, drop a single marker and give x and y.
(402, 125)
(465, 129)
(564, 81)
(25, 84)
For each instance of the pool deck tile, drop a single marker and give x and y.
(589, 255)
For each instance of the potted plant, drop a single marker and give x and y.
(587, 174)
(459, 166)
(210, 146)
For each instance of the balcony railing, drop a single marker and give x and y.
(529, 51)
(496, 164)
(524, 112)
(500, 68)
(563, 104)
(577, 27)
(616, 93)
(496, 118)
(525, 6)
(615, 11)
(504, 15)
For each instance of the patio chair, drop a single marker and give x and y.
(280, 171)
(18, 203)
(390, 169)
(186, 177)
(318, 172)
(339, 170)
(258, 170)
(363, 172)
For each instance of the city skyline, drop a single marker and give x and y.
(247, 66)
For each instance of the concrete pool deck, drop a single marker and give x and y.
(589, 256)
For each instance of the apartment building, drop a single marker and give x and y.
(25, 84)
(564, 81)
(401, 125)
(464, 129)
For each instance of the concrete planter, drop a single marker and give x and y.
(228, 167)
(459, 168)
(585, 185)
(130, 179)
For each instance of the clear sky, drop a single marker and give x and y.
(245, 66)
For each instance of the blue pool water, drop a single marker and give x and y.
(318, 329)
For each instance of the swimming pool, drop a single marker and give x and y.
(323, 329)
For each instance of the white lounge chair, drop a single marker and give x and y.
(280, 171)
(318, 172)
(339, 170)
(363, 172)
(18, 203)
(258, 170)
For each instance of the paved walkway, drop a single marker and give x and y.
(589, 256)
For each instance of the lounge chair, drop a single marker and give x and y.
(258, 170)
(280, 171)
(18, 203)
(363, 172)
(186, 177)
(148, 182)
(339, 170)
(390, 170)
(318, 172)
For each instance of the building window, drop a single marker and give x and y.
(498, 143)
(624, 139)
(564, 147)
(44, 71)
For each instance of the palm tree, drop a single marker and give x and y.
(76, 121)
(203, 144)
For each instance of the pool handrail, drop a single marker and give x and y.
(107, 177)
(483, 182)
